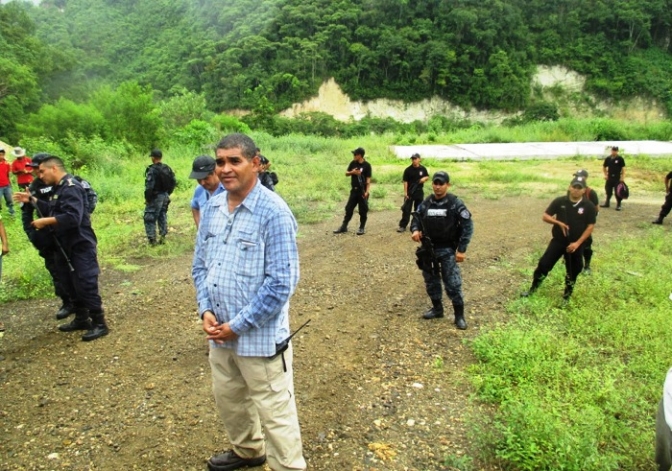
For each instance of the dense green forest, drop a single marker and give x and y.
(263, 55)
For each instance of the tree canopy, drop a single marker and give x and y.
(264, 55)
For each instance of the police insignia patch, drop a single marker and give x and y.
(465, 214)
(580, 211)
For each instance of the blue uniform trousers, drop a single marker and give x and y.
(82, 282)
(450, 275)
(156, 212)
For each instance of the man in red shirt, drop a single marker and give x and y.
(5, 183)
(20, 168)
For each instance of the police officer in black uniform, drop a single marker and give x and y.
(614, 173)
(573, 220)
(359, 171)
(591, 195)
(44, 241)
(264, 176)
(447, 222)
(414, 177)
(667, 205)
(76, 258)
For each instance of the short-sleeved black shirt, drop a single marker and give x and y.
(614, 165)
(578, 216)
(413, 175)
(365, 167)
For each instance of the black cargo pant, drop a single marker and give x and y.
(666, 207)
(356, 199)
(610, 189)
(411, 203)
(573, 263)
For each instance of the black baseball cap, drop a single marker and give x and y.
(579, 181)
(581, 173)
(38, 159)
(415, 156)
(203, 166)
(441, 177)
(359, 151)
(156, 153)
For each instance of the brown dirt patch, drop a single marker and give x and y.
(377, 387)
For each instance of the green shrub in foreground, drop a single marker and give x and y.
(577, 388)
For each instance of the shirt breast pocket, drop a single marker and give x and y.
(250, 259)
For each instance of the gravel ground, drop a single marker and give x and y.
(378, 388)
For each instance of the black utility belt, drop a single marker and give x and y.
(443, 245)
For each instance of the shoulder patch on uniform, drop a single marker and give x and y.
(465, 214)
(70, 183)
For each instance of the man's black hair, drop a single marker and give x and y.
(54, 161)
(247, 147)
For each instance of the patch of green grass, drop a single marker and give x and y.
(576, 388)
(458, 463)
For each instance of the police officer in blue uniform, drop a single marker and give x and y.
(76, 258)
(446, 221)
(44, 241)
(157, 199)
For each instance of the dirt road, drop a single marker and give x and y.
(378, 388)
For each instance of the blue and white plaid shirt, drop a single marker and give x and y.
(246, 267)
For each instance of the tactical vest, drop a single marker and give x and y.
(442, 221)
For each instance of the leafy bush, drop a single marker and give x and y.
(65, 117)
(195, 133)
(541, 111)
(179, 110)
(228, 124)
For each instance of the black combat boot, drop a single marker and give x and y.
(342, 229)
(436, 311)
(658, 221)
(65, 311)
(80, 322)
(535, 284)
(98, 328)
(460, 323)
(361, 230)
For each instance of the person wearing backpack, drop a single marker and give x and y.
(446, 225)
(159, 184)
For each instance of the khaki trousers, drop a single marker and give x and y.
(251, 391)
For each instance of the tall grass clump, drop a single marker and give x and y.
(576, 389)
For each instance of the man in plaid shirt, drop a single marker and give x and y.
(246, 267)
